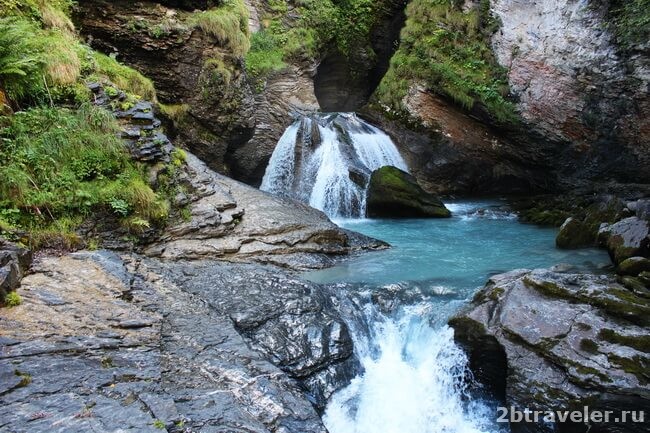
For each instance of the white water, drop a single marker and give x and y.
(414, 381)
(317, 169)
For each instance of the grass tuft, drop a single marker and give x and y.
(122, 76)
(228, 23)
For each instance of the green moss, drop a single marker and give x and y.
(548, 288)
(589, 346)
(175, 112)
(630, 21)
(496, 293)
(469, 328)
(636, 365)
(448, 50)
(125, 78)
(637, 342)
(25, 378)
(159, 424)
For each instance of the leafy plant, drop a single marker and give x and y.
(13, 299)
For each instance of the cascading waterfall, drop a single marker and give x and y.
(326, 161)
(415, 378)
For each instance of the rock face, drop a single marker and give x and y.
(563, 341)
(191, 70)
(233, 221)
(103, 343)
(395, 193)
(576, 83)
(451, 152)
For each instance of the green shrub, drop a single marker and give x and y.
(228, 23)
(311, 29)
(61, 165)
(630, 21)
(21, 62)
(13, 299)
(448, 50)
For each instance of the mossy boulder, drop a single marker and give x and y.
(634, 266)
(395, 193)
(581, 229)
(575, 234)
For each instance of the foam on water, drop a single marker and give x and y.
(414, 381)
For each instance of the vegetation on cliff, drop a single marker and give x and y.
(227, 23)
(447, 49)
(630, 21)
(63, 160)
(293, 30)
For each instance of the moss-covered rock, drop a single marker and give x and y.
(395, 193)
(634, 266)
(581, 229)
(574, 234)
(540, 321)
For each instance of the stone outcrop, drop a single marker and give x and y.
(192, 71)
(108, 343)
(14, 264)
(395, 193)
(627, 238)
(581, 229)
(549, 341)
(452, 152)
(233, 221)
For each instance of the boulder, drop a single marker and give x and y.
(550, 341)
(627, 238)
(574, 234)
(395, 193)
(124, 343)
(634, 266)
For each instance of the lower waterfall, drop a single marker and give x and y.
(326, 161)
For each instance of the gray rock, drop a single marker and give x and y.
(627, 238)
(217, 347)
(233, 221)
(14, 264)
(553, 341)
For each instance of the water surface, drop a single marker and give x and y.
(415, 377)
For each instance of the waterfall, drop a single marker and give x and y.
(415, 379)
(326, 160)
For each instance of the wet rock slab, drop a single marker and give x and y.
(106, 343)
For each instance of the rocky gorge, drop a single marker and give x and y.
(166, 292)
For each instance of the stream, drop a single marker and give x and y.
(414, 378)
